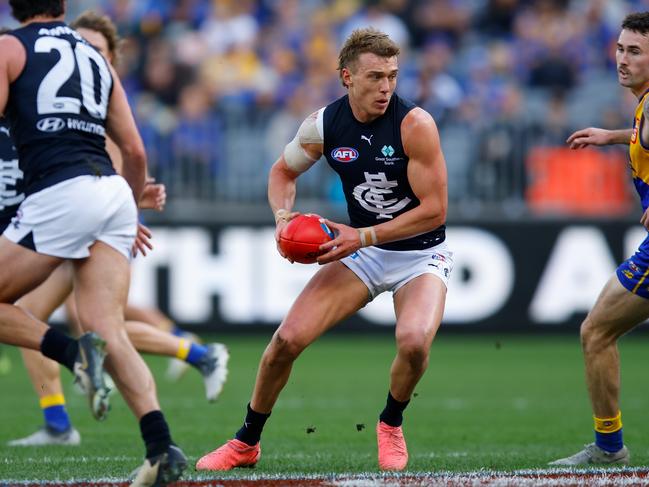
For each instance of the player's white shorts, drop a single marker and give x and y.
(66, 219)
(388, 270)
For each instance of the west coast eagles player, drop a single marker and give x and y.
(624, 302)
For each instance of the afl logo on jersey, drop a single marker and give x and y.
(50, 124)
(344, 154)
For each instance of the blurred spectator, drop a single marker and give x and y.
(377, 14)
(434, 89)
(496, 18)
(499, 76)
(498, 174)
(162, 76)
(195, 140)
(550, 39)
(449, 19)
(231, 26)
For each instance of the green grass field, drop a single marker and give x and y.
(486, 402)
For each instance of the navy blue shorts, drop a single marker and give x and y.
(633, 273)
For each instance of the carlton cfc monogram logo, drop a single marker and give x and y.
(344, 154)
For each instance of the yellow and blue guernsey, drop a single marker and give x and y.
(634, 272)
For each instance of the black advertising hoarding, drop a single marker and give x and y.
(535, 276)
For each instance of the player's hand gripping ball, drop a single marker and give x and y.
(301, 238)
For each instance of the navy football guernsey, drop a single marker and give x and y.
(11, 177)
(58, 105)
(372, 165)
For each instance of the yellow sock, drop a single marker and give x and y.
(183, 349)
(608, 425)
(53, 400)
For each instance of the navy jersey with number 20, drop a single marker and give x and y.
(58, 105)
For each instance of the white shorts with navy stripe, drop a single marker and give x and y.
(388, 270)
(66, 219)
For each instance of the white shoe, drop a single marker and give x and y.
(48, 436)
(592, 454)
(213, 366)
(176, 369)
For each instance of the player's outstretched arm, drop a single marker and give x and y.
(298, 156)
(121, 128)
(596, 136)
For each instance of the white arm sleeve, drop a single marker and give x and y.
(310, 132)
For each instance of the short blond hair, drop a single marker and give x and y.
(365, 40)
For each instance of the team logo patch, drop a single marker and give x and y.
(628, 273)
(344, 154)
(633, 266)
(50, 124)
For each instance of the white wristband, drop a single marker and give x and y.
(368, 236)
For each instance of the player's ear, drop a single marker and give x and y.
(346, 76)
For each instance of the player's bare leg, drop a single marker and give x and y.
(210, 360)
(156, 318)
(419, 306)
(150, 316)
(616, 312)
(41, 303)
(101, 284)
(43, 372)
(333, 294)
(21, 271)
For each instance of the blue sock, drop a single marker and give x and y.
(196, 352)
(56, 418)
(610, 442)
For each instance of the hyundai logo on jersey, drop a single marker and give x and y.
(344, 154)
(50, 124)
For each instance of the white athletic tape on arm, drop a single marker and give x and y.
(310, 132)
(368, 236)
(281, 214)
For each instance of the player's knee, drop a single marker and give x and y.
(593, 336)
(411, 348)
(286, 346)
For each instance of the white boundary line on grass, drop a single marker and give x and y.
(82, 459)
(542, 477)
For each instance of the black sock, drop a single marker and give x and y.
(155, 433)
(250, 432)
(392, 415)
(60, 347)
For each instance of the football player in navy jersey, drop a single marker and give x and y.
(388, 156)
(210, 360)
(61, 98)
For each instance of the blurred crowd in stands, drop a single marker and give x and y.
(219, 86)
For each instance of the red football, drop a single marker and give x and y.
(300, 240)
